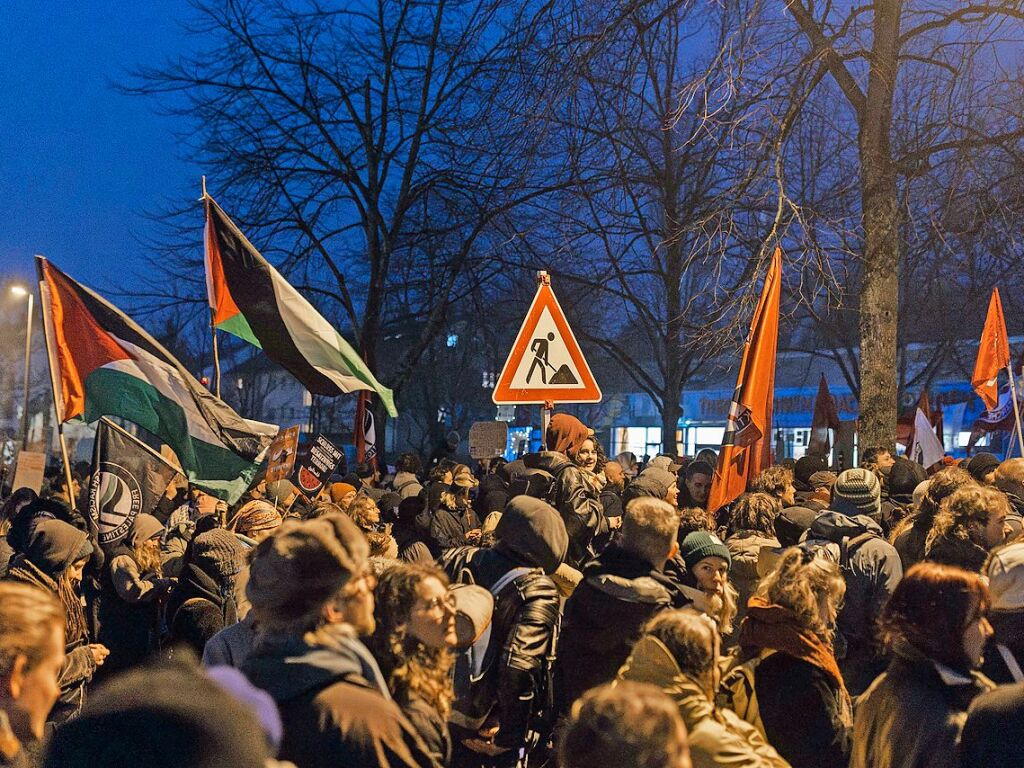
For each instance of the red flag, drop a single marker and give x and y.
(746, 445)
(365, 434)
(993, 354)
(826, 417)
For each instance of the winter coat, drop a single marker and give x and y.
(717, 736)
(1008, 629)
(406, 484)
(871, 569)
(576, 499)
(603, 618)
(909, 538)
(448, 527)
(986, 741)
(526, 614)
(198, 610)
(334, 705)
(430, 727)
(232, 645)
(912, 714)
(745, 548)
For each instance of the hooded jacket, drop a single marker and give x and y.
(717, 737)
(871, 568)
(576, 500)
(603, 618)
(745, 548)
(334, 704)
(953, 549)
(911, 716)
(529, 535)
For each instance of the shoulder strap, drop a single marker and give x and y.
(508, 578)
(1011, 663)
(850, 545)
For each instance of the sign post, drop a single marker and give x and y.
(546, 364)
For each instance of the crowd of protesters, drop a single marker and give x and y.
(565, 608)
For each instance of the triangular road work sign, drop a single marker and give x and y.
(546, 363)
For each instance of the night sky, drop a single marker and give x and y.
(79, 162)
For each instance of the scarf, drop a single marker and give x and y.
(24, 570)
(774, 627)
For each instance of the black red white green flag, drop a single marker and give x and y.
(251, 300)
(104, 364)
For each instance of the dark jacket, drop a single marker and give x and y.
(911, 715)
(576, 499)
(802, 712)
(1008, 629)
(430, 727)
(990, 737)
(199, 608)
(448, 528)
(909, 538)
(524, 625)
(491, 496)
(871, 568)
(333, 704)
(951, 549)
(602, 620)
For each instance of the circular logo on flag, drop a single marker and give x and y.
(116, 500)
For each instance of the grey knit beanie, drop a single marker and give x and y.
(857, 492)
(218, 551)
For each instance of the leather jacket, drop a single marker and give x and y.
(577, 501)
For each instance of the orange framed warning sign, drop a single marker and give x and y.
(546, 364)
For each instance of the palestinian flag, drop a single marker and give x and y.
(103, 364)
(250, 299)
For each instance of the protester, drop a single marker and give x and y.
(695, 484)
(982, 467)
(904, 477)
(204, 600)
(936, 626)
(53, 562)
(620, 590)
(679, 653)
(410, 538)
(753, 528)
(910, 534)
(990, 735)
(706, 578)
(877, 459)
(777, 482)
(653, 482)
(531, 543)
(801, 700)
(312, 597)
(406, 481)
(629, 724)
(871, 569)
(9, 511)
(342, 495)
(165, 716)
(806, 466)
(1004, 653)
(130, 611)
(31, 658)
(970, 522)
(453, 521)
(1009, 478)
(412, 643)
(255, 521)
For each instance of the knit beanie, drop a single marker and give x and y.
(857, 492)
(700, 544)
(822, 479)
(981, 464)
(904, 478)
(254, 516)
(143, 529)
(1006, 578)
(218, 552)
(339, 491)
(653, 481)
(791, 523)
(302, 565)
(805, 467)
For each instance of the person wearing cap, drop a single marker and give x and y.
(130, 606)
(654, 482)
(531, 543)
(413, 643)
(203, 601)
(820, 495)
(255, 521)
(705, 580)
(982, 467)
(311, 590)
(54, 560)
(620, 590)
(804, 468)
(1004, 653)
(453, 522)
(848, 533)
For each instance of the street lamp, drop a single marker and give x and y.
(21, 291)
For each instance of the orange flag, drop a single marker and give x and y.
(826, 417)
(746, 445)
(993, 354)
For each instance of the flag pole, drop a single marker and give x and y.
(44, 305)
(213, 328)
(1016, 409)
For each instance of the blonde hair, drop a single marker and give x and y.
(360, 510)
(799, 581)
(27, 615)
(649, 527)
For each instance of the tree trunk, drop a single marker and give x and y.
(879, 295)
(670, 413)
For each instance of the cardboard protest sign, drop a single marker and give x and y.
(312, 471)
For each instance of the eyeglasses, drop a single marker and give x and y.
(445, 603)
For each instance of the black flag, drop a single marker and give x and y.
(128, 478)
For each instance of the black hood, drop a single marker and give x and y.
(532, 532)
(835, 526)
(55, 545)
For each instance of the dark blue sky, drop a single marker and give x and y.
(79, 162)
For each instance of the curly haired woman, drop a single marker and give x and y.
(412, 643)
